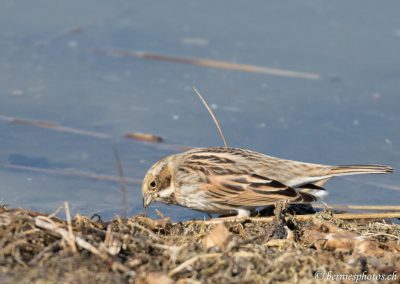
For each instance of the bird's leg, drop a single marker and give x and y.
(241, 214)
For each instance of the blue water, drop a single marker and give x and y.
(48, 71)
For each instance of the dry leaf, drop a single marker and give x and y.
(313, 237)
(158, 278)
(344, 241)
(325, 235)
(217, 237)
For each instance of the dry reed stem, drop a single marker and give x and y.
(360, 207)
(209, 63)
(54, 126)
(382, 234)
(60, 128)
(160, 214)
(71, 173)
(70, 233)
(213, 116)
(57, 211)
(151, 234)
(68, 32)
(343, 216)
(190, 261)
(121, 183)
(47, 224)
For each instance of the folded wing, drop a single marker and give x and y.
(252, 191)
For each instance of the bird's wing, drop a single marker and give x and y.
(251, 190)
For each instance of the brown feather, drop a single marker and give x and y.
(249, 191)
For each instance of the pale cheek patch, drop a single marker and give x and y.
(166, 192)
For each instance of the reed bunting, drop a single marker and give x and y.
(237, 181)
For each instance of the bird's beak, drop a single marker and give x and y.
(147, 200)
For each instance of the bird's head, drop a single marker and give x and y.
(157, 185)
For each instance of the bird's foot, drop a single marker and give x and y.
(241, 215)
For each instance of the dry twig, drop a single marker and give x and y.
(47, 224)
(121, 183)
(70, 238)
(69, 172)
(342, 216)
(360, 207)
(209, 63)
(54, 126)
(189, 262)
(213, 116)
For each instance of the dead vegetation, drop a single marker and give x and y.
(37, 247)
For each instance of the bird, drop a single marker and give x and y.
(237, 181)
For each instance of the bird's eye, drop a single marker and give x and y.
(153, 184)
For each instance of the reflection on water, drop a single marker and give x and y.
(49, 72)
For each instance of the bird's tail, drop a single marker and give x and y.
(313, 181)
(360, 169)
(313, 184)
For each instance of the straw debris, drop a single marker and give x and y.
(36, 247)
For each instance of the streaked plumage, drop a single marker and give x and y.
(233, 180)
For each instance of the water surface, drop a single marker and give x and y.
(49, 72)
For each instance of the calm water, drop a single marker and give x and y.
(48, 71)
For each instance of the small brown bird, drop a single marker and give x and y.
(237, 181)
